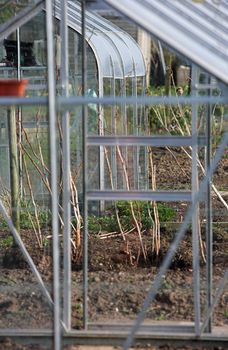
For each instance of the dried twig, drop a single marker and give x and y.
(131, 204)
(112, 186)
(36, 230)
(156, 242)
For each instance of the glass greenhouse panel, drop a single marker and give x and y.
(116, 70)
(10, 8)
(75, 66)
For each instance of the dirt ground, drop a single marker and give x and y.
(119, 278)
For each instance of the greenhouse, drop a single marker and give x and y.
(116, 70)
(112, 192)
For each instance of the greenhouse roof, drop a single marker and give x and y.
(196, 29)
(117, 54)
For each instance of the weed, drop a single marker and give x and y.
(167, 285)
(7, 242)
(161, 317)
(27, 215)
(144, 214)
(104, 223)
(3, 224)
(165, 212)
(78, 306)
(226, 313)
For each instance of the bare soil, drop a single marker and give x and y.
(119, 277)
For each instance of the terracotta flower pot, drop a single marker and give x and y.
(13, 87)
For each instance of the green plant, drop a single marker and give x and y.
(27, 215)
(226, 313)
(144, 215)
(6, 242)
(9, 8)
(161, 317)
(78, 307)
(104, 223)
(3, 224)
(166, 213)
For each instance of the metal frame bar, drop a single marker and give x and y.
(101, 132)
(19, 110)
(66, 171)
(65, 103)
(85, 164)
(54, 172)
(208, 204)
(166, 196)
(179, 236)
(21, 18)
(25, 253)
(195, 212)
(135, 128)
(156, 141)
(113, 150)
(206, 324)
(116, 337)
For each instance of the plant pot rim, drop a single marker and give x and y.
(12, 87)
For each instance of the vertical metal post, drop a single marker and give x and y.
(19, 109)
(85, 163)
(114, 172)
(113, 148)
(195, 214)
(101, 148)
(135, 132)
(18, 54)
(145, 132)
(54, 180)
(66, 171)
(124, 149)
(209, 234)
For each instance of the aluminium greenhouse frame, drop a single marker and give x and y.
(62, 331)
(119, 60)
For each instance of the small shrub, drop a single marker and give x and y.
(27, 215)
(165, 212)
(7, 242)
(143, 212)
(103, 223)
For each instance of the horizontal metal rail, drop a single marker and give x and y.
(23, 101)
(164, 196)
(70, 102)
(147, 326)
(116, 337)
(206, 86)
(157, 141)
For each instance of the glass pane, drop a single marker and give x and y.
(9, 8)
